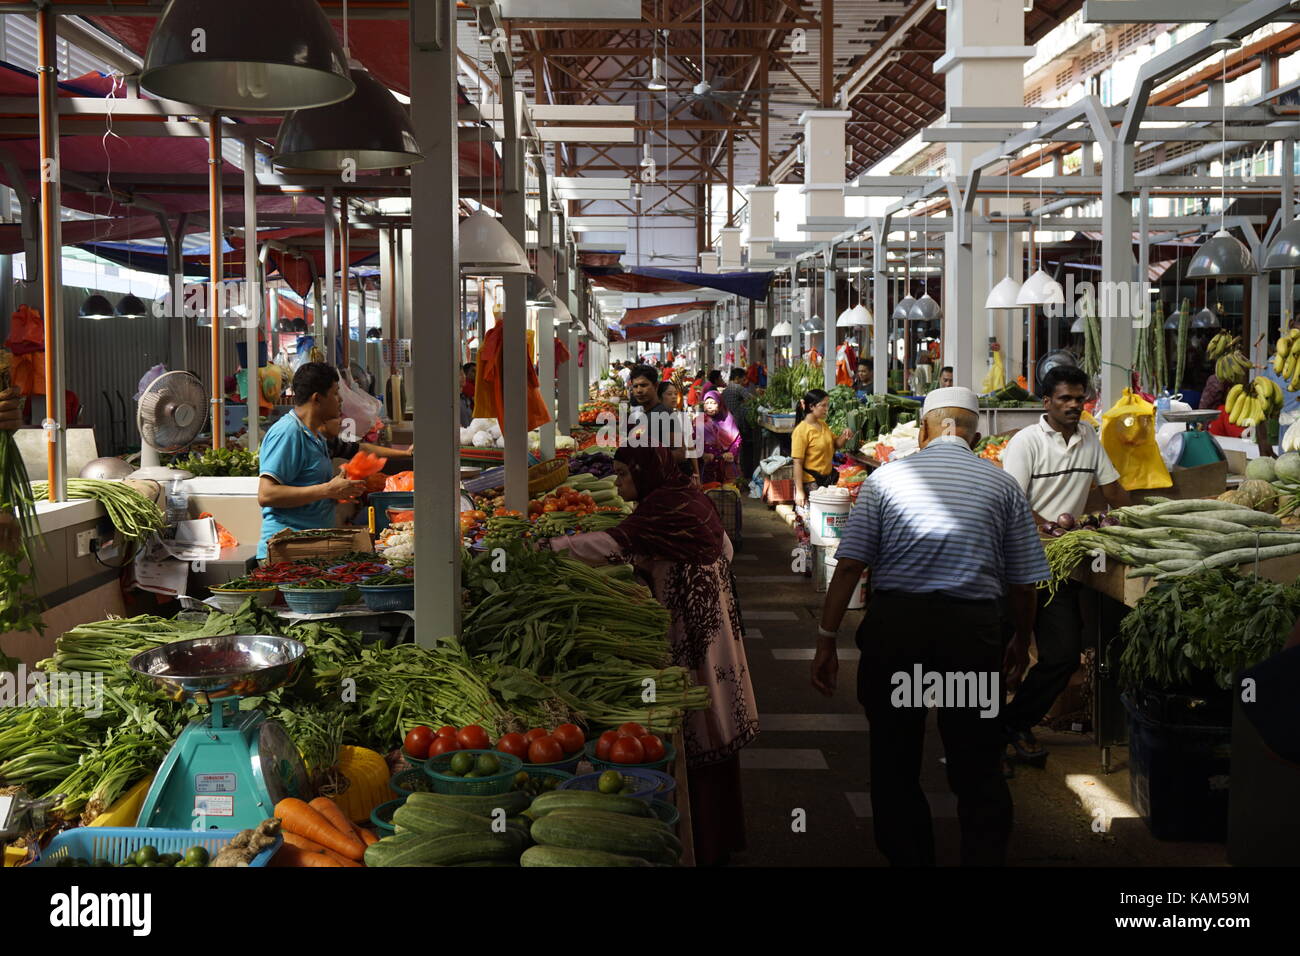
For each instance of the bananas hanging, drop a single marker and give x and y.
(1222, 344)
(1233, 368)
(1253, 403)
(1286, 359)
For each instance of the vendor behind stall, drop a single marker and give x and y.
(297, 486)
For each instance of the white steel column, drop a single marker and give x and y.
(729, 249)
(880, 310)
(823, 176)
(546, 378)
(253, 300)
(434, 198)
(829, 315)
(514, 417)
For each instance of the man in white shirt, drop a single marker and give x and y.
(625, 373)
(1055, 461)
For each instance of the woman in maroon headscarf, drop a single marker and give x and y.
(677, 545)
(721, 442)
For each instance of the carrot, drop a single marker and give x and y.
(367, 836)
(342, 860)
(290, 855)
(335, 817)
(301, 842)
(307, 821)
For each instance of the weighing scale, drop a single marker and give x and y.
(1198, 445)
(226, 771)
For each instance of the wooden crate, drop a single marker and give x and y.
(1114, 583)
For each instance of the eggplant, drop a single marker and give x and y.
(1066, 521)
(1060, 532)
(1109, 522)
(1048, 528)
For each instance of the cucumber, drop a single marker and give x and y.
(440, 819)
(566, 856)
(615, 820)
(577, 832)
(421, 849)
(513, 803)
(586, 800)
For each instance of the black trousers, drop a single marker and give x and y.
(1058, 637)
(899, 632)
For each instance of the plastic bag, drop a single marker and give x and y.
(364, 410)
(224, 538)
(1128, 435)
(363, 465)
(148, 378)
(402, 481)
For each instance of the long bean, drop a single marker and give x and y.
(133, 515)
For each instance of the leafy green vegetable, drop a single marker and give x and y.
(230, 462)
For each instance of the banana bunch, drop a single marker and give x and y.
(1286, 358)
(1254, 403)
(1232, 368)
(1222, 344)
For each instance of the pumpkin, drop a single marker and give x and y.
(1258, 494)
(363, 784)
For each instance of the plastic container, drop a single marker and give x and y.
(400, 782)
(598, 764)
(231, 601)
(1179, 775)
(435, 768)
(382, 816)
(828, 565)
(178, 502)
(115, 844)
(559, 776)
(828, 512)
(392, 597)
(665, 811)
(645, 785)
(381, 501)
(314, 600)
(568, 765)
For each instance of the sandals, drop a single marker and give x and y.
(1026, 747)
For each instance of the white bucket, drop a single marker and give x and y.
(859, 598)
(828, 512)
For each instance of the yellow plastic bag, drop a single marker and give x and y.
(997, 376)
(1128, 435)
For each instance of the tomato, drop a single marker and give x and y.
(631, 730)
(545, 749)
(570, 737)
(627, 750)
(550, 506)
(417, 742)
(443, 745)
(605, 742)
(513, 744)
(653, 747)
(534, 734)
(473, 737)
(447, 732)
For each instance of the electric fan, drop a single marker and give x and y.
(170, 414)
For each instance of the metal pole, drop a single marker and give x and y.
(880, 313)
(829, 345)
(1117, 266)
(56, 454)
(214, 277)
(254, 299)
(1286, 280)
(514, 417)
(344, 317)
(434, 198)
(331, 314)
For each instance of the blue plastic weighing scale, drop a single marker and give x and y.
(228, 770)
(1198, 445)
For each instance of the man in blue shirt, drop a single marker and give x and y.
(296, 487)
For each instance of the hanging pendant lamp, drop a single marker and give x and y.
(1171, 323)
(1284, 253)
(862, 315)
(741, 336)
(487, 247)
(1207, 318)
(252, 56)
(1004, 295)
(783, 329)
(845, 320)
(903, 309)
(1224, 256)
(370, 128)
(1040, 289)
(925, 309)
(130, 307)
(97, 307)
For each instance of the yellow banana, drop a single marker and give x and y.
(1283, 347)
(1232, 402)
(1289, 366)
(1279, 363)
(1294, 334)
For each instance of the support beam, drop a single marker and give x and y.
(55, 423)
(218, 400)
(254, 300)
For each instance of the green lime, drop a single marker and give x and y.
(487, 765)
(182, 863)
(127, 863)
(475, 774)
(611, 781)
(462, 763)
(196, 856)
(169, 859)
(150, 863)
(522, 779)
(99, 861)
(146, 854)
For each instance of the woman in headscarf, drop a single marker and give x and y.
(721, 442)
(676, 543)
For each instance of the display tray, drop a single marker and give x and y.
(1114, 583)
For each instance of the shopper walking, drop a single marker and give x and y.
(1055, 462)
(676, 543)
(722, 442)
(945, 535)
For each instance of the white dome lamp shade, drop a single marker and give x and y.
(1040, 289)
(1284, 253)
(487, 247)
(1222, 256)
(741, 336)
(783, 329)
(925, 309)
(720, 340)
(845, 320)
(903, 309)
(1004, 295)
(370, 129)
(862, 315)
(291, 60)
(1207, 318)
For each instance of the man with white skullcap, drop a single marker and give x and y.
(945, 536)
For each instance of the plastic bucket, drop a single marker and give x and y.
(859, 598)
(828, 511)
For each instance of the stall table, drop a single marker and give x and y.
(682, 800)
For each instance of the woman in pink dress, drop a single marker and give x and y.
(677, 546)
(721, 442)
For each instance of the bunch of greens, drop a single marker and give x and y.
(786, 386)
(229, 462)
(843, 400)
(19, 600)
(133, 515)
(1211, 624)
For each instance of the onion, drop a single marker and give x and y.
(1066, 521)
(1109, 522)
(1059, 532)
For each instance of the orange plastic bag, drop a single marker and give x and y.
(397, 517)
(376, 482)
(363, 465)
(402, 481)
(489, 398)
(224, 538)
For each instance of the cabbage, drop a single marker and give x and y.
(1262, 468)
(1288, 466)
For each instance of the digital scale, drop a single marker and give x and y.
(1198, 446)
(228, 770)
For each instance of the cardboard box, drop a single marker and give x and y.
(289, 545)
(1203, 481)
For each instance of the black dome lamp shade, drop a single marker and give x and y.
(97, 307)
(246, 56)
(370, 128)
(130, 307)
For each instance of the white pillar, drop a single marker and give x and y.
(823, 169)
(762, 224)
(546, 378)
(709, 262)
(729, 259)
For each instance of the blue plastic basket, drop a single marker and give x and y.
(436, 769)
(391, 597)
(647, 783)
(382, 816)
(669, 754)
(314, 600)
(381, 501)
(115, 844)
(665, 811)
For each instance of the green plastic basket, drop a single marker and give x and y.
(435, 768)
(400, 783)
(537, 772)
(382, 816)
(670, 753)
(666, 812)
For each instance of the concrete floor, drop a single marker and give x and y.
(811, 755)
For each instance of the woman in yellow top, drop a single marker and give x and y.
(813, 445)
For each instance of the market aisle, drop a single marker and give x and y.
(812, 752)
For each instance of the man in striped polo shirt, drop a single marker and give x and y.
(1055, 461)
(946, 535)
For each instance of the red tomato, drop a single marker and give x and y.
(605, 742)
(570, 737)
(513, 744)
(545, 749)
(417, 741)
(627, 750)
(534, 734)
(631, 730)
(473, 737)
(447, 732)
(443, 745)
(653, 747)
